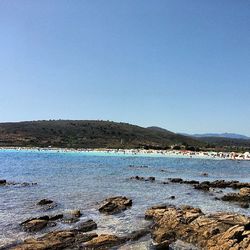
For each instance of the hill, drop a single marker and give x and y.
(88, 134)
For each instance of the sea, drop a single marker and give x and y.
(81, 180)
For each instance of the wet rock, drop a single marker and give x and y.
(34, 225)
(176, 180)
(70, 219)
(202, 186)
(19, 184)
(150, 179)
(236, 197)
(204, 174)
(44, 202)
(142, 166)
(68, 239)
(136, 235)
(104, 241)
(212, 184)
(192, 182)
(164, 182)
(139, 178)
(3, 182)
(213, 232)
(86, 226)
(164, 170)
(244, 205)
(56, 217)
(38, 223)
(76, 213)
(115, 205)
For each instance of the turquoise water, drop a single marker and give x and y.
(81, 180)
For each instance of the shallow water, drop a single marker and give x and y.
(80, 180)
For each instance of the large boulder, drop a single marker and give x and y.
(68, 239)
(244, 191)
(86, 226)
(217, 231)
(38, 223)
(115, 205)
(104, 241)
(34, 225)
(243, 197)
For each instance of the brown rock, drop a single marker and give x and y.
(104, 241)
(86, 226)
(235, 197)
(56, 240)
(244, 191)
(115, 205)
(34, 225)
(216, 232)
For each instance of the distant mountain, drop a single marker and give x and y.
(221, 135)
(89, 134)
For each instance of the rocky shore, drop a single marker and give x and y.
(214, 232)
(169, 224)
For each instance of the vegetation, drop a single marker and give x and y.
(88, 134)
(106, 134)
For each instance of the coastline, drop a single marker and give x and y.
(139, 153)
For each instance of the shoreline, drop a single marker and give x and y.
(140, 153)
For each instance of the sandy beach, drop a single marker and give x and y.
(142, 152)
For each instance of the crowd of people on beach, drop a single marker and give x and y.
(144, 152)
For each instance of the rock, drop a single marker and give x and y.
(78, 239)
(204, 174)
(202, 186)
(244, 205)
(34, 225)
(151, 178)
(164, 245)
(176, 180)
(172, 197)
(164, 182)
(142, 166)
(3, 182)
(244, 191)
(38, 223)
(235, 197)
(76, 213)
(86, 226)
(139, 178)
(115, 205)
(44, 202)
(214, 232)
(68, 218)
(56, 217)
(67, 239)
(136, 235)
(11, 183)
(192, 182)
(104, 241)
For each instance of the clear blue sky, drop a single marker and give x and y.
(182, 65)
